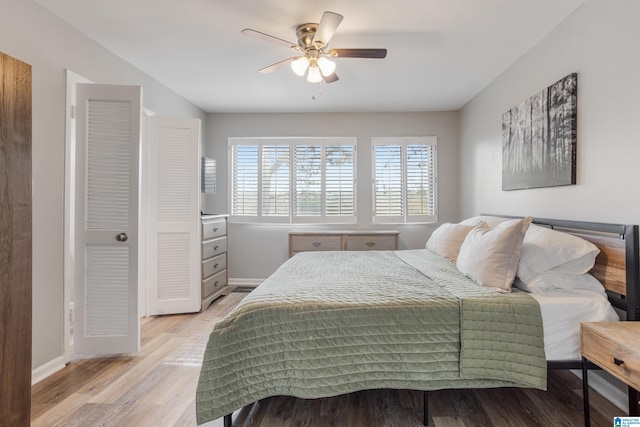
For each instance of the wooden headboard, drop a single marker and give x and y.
(617, 266)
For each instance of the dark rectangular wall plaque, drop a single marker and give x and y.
(539, 138)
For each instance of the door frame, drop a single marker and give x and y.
(69, 209)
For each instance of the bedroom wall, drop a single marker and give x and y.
(599, 42)
(255, 251)
(33, 35)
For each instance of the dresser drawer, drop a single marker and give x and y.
(214, 228)
(213, 265)
(214, 247)
(214, 283)
(371, 242)
(300, 243)
(613, 356)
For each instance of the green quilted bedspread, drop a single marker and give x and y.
(329, 323)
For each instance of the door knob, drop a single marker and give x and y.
(122, 237)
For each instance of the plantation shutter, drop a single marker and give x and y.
(244, 180)
(290, 180)
(388, 182)
(276, 198)
(308, 180)
(405, 179)
(339, 180)
(420, 180)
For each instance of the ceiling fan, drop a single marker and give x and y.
(314, 59)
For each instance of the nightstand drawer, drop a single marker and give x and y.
(615, 357)
(315, 243)
(214, 247)
(371, 242)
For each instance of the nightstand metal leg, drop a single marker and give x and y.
(634, 404)
(585, 392)
(425, 408)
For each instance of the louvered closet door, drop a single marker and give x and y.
(173, 244)
(107, 165)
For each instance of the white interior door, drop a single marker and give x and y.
(173, 226)
(106, 219)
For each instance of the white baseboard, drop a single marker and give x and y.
(245, 282)
(610, 388)
(46, 370)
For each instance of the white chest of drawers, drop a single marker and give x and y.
(214, 258)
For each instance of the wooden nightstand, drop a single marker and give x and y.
(614, 347)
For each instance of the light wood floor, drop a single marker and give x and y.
(157, 388)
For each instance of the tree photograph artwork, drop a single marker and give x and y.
(539, 138)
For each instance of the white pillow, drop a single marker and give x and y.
(492, 221)
(581, 265)
(552, 280)
(446, 239)
(544, 249)
(490, 256)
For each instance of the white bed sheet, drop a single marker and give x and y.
(562, 311)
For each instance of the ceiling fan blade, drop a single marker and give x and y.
(333, 77)
(267, 37)
(358, 53)
(326, 28)
(271, 68)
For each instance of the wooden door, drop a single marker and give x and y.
(173, 226)
(106, 219)
(15, 242)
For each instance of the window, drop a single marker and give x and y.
(404, 179)
(291, 180)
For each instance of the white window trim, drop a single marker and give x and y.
(404, 141)
(292, 142)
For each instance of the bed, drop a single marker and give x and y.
(330, 323)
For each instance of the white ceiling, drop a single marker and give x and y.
(441, 53)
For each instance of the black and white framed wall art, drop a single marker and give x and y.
(539, 138)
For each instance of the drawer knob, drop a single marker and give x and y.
(316, 244)
(215, 265)
(617, 361)
(371, 244)
(215, 248)
(216, 283)
(215, 229)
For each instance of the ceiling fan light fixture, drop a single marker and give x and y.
(327, 66)
(300, 65)
(314, 75)
(313, 56)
